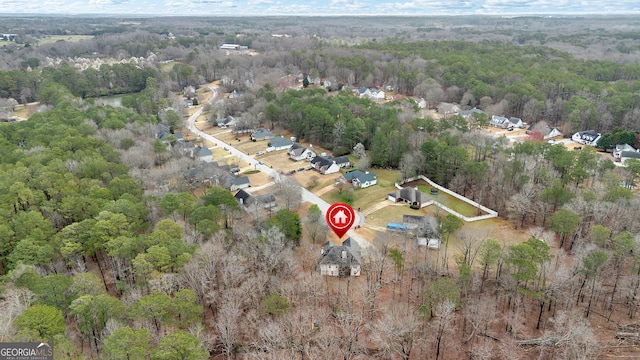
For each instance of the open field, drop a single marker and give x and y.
(70, 38)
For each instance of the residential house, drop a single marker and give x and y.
(516, 122)
(626, 155)
(411, 196)
(499, 122)
(373, 94)
(468, 113)
(262, 134)
(279, 143)
(547, 131)
(588, 137)
(238, 183)
(618, 149)
(360, 179)
(230, 47)
(343, 260)
(325, 165)
(298, 152)
(225, 122)
(342, 161)
(445, 108)
(422, 103)
(266, 201)
(209, 173)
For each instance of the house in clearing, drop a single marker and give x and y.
(516, 122)
(225, 122)
(279, 143)
(626, 155)
(411, 196)
(238, 183)
(499, 122)
(248, 201)
(446, 109)
(343, 260)
(469, 113)
(426, 229)
(618, 149)
(298, 152)
(262, 134)
(324, 165)
(589, 137)
(547, 131)
(360, 179)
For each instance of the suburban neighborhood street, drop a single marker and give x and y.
(307, 195)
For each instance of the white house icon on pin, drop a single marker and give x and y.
(340, 218)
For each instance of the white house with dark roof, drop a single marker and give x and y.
(298, 152)
(626, 155)
(225, 122)
(343, 260)
(238, 183)
(588, 137)
(325, 165)
(360, 179)
(499, 122)
(342, 161)
(516, 122)
(618, 149)
(279, 143)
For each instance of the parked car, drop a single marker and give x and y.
(301, 169)
(259, 153)
(309, 167)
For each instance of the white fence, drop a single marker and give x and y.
(490, 213)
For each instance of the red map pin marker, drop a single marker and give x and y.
(340, 217)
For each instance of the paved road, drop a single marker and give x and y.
(306, 194)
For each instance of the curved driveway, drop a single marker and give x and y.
(306, 194)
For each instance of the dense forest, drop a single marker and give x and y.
(109, 251)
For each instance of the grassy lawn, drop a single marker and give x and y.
(451, 202)
(393, 214)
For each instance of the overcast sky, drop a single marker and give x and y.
(319, 7)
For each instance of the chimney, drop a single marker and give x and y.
(344, 254)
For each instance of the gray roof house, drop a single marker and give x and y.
(516, 122)
(262, 134)
(426, 228)
(298, 152)
(360, 179)
(279, 143)
(343, 260)
(411, 196)
(626, 155)
(618, 149)
(499, 122)
(266, 201)
(225, 122)
(238, 183)
(342, 161)
(589, 137)
(325, 165)
(468, 113)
